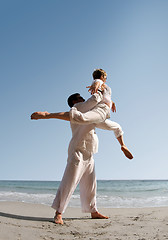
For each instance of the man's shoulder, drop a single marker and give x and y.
(79, 106)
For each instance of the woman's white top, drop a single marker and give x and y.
(106, 92)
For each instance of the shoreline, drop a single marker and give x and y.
(116, 194)
(23, 221)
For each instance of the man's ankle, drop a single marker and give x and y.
(58, 213)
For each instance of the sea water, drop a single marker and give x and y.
(110, 193)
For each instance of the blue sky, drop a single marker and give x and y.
(49, 49)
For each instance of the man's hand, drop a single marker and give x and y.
(39, 115)
(113, 107)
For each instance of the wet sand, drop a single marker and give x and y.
(23, 221)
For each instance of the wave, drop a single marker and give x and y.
(102, 200)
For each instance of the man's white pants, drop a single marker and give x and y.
(80, 169)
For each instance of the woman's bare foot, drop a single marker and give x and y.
(127, 153)
(97, 215)
(39, 115)
(58, 218)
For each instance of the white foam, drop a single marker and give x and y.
(26, 197)
(132, 202)
(102, 200)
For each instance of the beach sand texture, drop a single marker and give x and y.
(24, 221)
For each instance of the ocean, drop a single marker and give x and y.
(110, 193)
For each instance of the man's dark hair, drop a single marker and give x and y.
(72, 98)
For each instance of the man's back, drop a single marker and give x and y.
(83, 136)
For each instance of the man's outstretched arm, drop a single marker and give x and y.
(46, 115)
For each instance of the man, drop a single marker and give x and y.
(80, 163)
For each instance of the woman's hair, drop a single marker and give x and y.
(98, 73)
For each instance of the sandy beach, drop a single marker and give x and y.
(24, 221)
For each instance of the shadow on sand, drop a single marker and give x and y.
(28, 218)
(38, 219)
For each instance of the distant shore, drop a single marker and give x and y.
(24, 221)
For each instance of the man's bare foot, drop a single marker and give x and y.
(58, 218)
(97, 215)
(127, 153)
